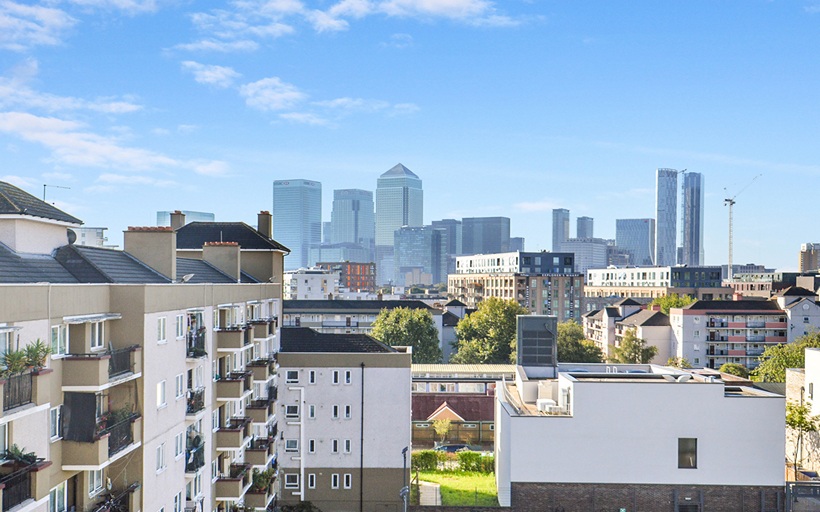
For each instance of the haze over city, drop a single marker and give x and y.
(502, 109)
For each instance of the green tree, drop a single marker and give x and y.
(573, 347)
(672, 300)
(799, 418)
(633, 350)
(736, 369)
(775, 360)
(409, 327)
(442, 428)
(678, 362)
(488, 335)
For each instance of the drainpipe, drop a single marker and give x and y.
(361, 448)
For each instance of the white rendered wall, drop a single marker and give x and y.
(32, 236)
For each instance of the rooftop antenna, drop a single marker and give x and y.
(731, 202)
(52, 186)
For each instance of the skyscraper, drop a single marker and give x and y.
(485, 235)
(352, 219)
(560, 228)
(399, 202)
(637, 236)
(666, 214)
(297, 218)
(420, 250)
(452, 228)
(584, 227)
(692, 221)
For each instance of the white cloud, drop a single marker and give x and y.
(58, 176)
(324, 22)
(304, 118)
(128, 6)
(219, 46)
(399, 41)
(20, 181)
(134, 179)
(24, 26)
(535, 206)
(352, 8)
(271, 94)
(219, 76)
(456, 9)
(350, 105)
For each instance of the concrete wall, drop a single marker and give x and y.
(38, 236)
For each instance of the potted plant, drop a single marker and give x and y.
(37, 354)
(15, 362)
(18, 457)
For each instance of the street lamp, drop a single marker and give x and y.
(405, 491)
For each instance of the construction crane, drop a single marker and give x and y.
(731, 203)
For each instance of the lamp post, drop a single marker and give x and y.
(405, 491)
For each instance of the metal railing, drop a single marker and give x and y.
(194, 458)
(116, 501)
(120, 362)
(16, 487)
(17, 391)
(195, 344)
(196, 400)
(120, 435)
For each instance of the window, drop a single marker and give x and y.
(160, 457)
(178, 502)
(348, 480)
(180, 326)
(59, 340)
(95, 484)
(57, 499)
(311, 411)
(55, 422)
(334, 481)
(292, 376)
(335, 376)
(687, 453)
(311, 446)
(215, 420)
(805, 319)
(180, 386)
(291, 480)
(99, 405)
(311, 480)
(97, 335)
(161, 402)
(335, 414)
(179, 445)
(291, 411)
(161, 338)
(811, 390)
(348, 412)
(291, 445)
(312, 377)
(334, 446)
(348, 377)
(214, 472)
(348, 446)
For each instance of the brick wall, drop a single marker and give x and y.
(419, 508)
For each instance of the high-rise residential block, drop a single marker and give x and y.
(297, 218)
(352, 219)
(485, 235)
(399, 202)
(560, 228)
(692, 219)
(637, 236)
(584, 227)
(666, 214)
(809, 257)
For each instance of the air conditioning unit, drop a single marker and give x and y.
(544, 404)
(555, 409)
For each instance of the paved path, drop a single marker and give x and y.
(429, 494)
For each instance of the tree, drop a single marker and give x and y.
(633, 350)
(573, 347)
(736, 369)
(488, 335)
(775, 360)
(409, 327)
(799, 418)
(672, 300)
(678, 362)
(442, 428)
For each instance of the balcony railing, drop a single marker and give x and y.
(196, 401)
(120, 435)
(17, 486)
(120, 362)
(119, 501)
(195, 458)
(195, 344)
(17, 391)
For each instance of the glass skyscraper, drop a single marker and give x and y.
(399, 202)
(637, 237)
(666, 216)
(423, 249)
(692, 232)
(584, 227)
(352, 220)
(485, 235)
(297, 219)
(560, 228)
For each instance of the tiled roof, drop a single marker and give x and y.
(196, 234)
(455, 303)
(471, 407)
(17, 268)
(100, 265)
(449, 320)
(612, 311)
(646, 318)
(203, 272)
(304, 339)
(627, 302)
(16, 201)
(733, 305)
(352, 305)
(795, 291)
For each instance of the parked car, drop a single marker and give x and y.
(453, 448)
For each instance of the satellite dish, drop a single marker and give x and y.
(187, 277)
(72, 236)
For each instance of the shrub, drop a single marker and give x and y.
(475, 462)
(425, 460)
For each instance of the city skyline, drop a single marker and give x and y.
(145, 105)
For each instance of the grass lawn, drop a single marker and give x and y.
(464, 489)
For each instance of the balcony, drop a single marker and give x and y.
(123, 500)
(105, 443)
(18, 481)
(232, 487)
(737, 325)
(234, 435)
(776, 325)
(94, 372)
(737, 352)
(260, 452)
(260, 411)
(775, 339)
(120, 435)
(231, 339)
(261, 328)
(195, 401)
(262, 369)
(17, 391)
(340, 323)
(234, 386)
(755, 324)
(735, 339)
(195, 344)
(195, 456)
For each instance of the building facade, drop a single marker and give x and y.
(311, 284)
(353, 277)
(589, 252)
(666, 216)
(297, 218)
(560, 227)
(399, 202)
(637, 236)
(420, 256)
(584, 227)
(651, 282)
(692, 219)
(485, 235)
(522, 262)
(353, 219)
(809, 257)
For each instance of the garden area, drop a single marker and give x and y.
(466, 478)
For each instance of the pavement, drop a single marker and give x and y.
(429, 494)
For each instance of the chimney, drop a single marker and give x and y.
(737, 296)
(177, 220)
(264, 223)
(155, 246)
(224, 256)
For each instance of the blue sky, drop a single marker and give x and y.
(502, 108)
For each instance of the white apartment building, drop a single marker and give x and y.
(650, 282)
(311, 284)
(344, 405)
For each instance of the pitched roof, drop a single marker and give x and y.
(449, 319)
(352, 305)
(203, 272)
(733, 305)
(627, 302)
(455, 303)
(100, 265)
(646, 318)
(398, 170)
(24, 268)
(471, 407)
(305, 339)
(196, 234)
(444, 411)
(591, 314)
(795, 291)
(16, 201)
